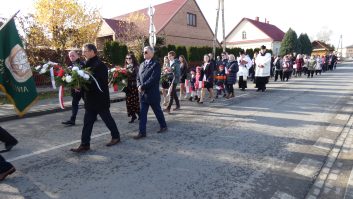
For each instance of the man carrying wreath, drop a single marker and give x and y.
(97, 100)
(75, 93)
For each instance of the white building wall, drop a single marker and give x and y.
(252, 33)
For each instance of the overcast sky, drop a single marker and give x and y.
(301, 15)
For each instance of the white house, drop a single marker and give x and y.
(253, 34)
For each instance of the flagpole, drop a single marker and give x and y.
(3, 25)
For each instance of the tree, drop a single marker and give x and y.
(306, 46)
(133, 35)
(181, 50)
(66, 23)
(324, 34)
(289, 43)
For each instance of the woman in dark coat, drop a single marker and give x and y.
(132, 97)
(232, 70)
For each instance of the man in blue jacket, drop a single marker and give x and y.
(148, 86)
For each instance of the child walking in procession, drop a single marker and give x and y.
(220, 80)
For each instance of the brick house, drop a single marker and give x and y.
(179, 22)
(250, 33)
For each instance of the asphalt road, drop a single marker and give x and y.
(257, 145)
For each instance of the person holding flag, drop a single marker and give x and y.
(16, 78)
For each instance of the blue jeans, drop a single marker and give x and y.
(156, 107)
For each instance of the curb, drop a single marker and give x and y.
(48, 110)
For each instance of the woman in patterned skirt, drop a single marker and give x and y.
(132, 97)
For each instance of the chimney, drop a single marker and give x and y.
(268, 22)
(265, 20)
(256, 18)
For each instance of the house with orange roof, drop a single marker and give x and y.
(179, 22)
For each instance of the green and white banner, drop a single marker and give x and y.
(16, 79)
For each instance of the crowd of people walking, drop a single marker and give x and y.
(144, 81)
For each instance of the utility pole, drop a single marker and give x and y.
(152, 30)
(224, 31)
(338, 47)
(216, 30)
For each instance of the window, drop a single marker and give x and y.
(191, 19)
(244, 35)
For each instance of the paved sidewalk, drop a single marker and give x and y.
(47, 106)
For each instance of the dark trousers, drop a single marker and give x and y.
(76, 97)
(173, 95)
(310, 73)
(6, 137)
(241, 83)
(156, 107)
(261, 83)
(280, 73)
(4, 166)
(90, 118)
(230, 88)
(299, 73)
(317, 72)
(286, 75)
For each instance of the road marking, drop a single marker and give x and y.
(324, 143)
(282, 195)
(53, 148)
(308, 167)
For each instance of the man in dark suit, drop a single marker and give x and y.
(75, 93)
(148, 87)
(97, 100)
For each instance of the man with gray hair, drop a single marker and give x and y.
(148, 86)
(75, 93)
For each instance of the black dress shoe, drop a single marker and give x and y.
(162, 130)
(139, 136)
(113, 142)
(4, 174)
(81, 149)
(68, 122)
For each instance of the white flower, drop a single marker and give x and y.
(123, 81)
(81, 73)
(38, 67)
(75, 68)
(42, 71)
(112, 70)
(86, 77)
(68, 79)
(45, 66)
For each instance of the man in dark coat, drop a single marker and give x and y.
(75, 93)
(148, 87)
(97, 100)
